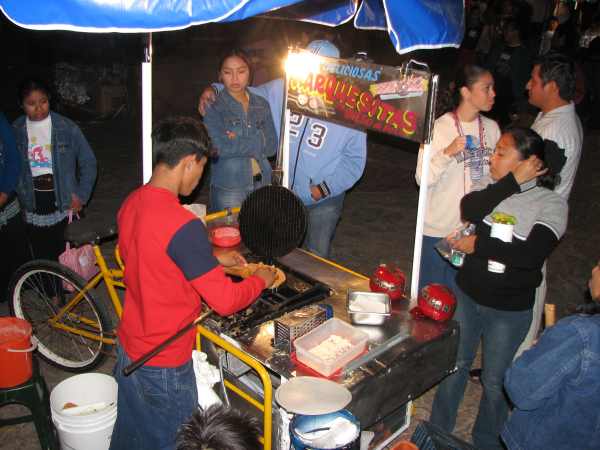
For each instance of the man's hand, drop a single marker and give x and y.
(3, 199)
(529, 169)
(206, 99)
(231, 258)
(315, 193)
(76, 204)
(267, 274)
(457, 146)
(465, 244)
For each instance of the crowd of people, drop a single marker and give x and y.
(517, 58)
(506, 36)
(531, 174)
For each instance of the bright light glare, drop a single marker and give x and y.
(300, 64)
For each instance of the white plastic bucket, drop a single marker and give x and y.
(85, 428)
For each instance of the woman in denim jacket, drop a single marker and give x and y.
(58, 170)
(241, 128)
(555, 386)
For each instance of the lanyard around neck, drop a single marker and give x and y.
(462, 133)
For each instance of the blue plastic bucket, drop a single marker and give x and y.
(305, 424)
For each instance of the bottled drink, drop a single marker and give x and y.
(457, 258)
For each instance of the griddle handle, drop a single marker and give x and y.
(160, 347)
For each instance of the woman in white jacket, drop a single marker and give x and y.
(454, 169)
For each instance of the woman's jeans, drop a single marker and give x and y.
(322, 221)
(434, 267)
(152, 404)
(502, 333)
(223, 198)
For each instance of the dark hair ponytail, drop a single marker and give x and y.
(529, 143)
(466, 76)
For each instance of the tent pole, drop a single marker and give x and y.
(422, 206)
(147, 112)
(416, 266)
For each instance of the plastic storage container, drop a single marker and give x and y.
(333, 327)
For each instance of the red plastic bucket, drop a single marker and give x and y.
(15, 351)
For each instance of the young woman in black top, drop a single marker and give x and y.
(498, 279)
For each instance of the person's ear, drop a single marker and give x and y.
(464, 92)
(551, 87)
(188, 162)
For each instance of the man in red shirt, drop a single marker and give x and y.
(169, 266)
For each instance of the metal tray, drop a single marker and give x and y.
(368, 308)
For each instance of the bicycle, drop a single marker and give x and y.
(72, 328)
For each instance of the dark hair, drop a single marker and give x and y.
(29, 85)
(177, 137)
(219, 428)
(560, 69)
(466, 76)
(529, 143)
(238, 52)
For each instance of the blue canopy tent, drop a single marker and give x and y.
(410, 24)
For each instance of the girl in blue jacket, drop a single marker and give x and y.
(241, 129)
(326, 159)
(58, 170)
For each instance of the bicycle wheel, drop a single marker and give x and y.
(38, 290)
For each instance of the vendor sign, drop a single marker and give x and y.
(391, 100)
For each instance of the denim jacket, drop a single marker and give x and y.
(555, 388)
(238, 137)
(10, 163)
(73, 163)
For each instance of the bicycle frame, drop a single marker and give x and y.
(112, 279)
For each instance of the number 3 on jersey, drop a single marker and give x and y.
(317, 131)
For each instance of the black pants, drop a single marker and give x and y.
(47, 242)
(14, 249)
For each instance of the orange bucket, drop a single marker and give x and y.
(15, 351)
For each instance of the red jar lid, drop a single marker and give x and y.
(225, 236)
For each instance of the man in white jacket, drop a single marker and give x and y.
(552, 89)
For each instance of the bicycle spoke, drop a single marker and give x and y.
(39, 294)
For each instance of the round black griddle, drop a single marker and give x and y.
(273, 221)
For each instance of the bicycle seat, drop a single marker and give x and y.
(82, 232)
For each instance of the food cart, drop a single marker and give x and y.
(418, 354)
(405, 356)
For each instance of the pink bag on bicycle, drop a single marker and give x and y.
(80, 260)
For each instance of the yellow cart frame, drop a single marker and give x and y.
(267, 406)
